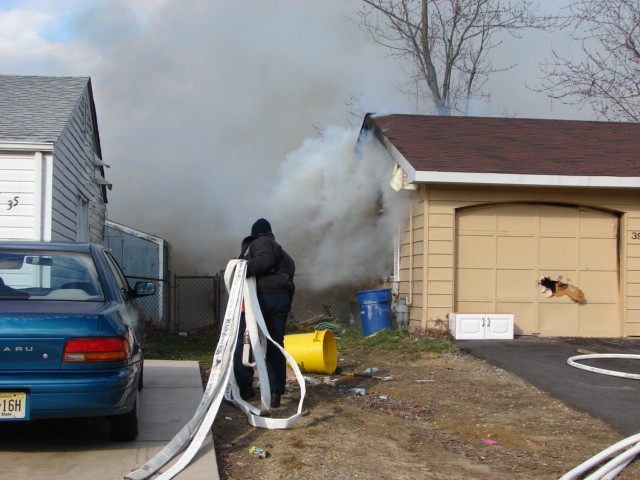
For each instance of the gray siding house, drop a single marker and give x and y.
(52, 182)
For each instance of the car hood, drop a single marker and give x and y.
(33, 334)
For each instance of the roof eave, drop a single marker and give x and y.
(426, 177)
(28, 146)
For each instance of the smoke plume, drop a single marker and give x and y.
(333, 210)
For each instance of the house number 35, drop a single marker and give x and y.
(13, 202)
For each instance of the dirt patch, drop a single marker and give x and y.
(448, 416)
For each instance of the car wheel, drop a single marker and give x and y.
(124, 428)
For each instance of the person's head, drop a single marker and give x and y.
(260, 227)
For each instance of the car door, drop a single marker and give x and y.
(132, 315)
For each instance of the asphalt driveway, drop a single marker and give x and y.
(543, 363)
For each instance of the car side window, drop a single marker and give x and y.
(121, 280)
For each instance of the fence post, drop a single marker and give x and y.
(176, 307)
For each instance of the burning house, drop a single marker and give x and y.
(499, 203)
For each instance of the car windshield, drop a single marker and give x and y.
(48, 276)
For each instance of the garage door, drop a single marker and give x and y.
(502, 250)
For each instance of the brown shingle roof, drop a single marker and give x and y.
(511, 146)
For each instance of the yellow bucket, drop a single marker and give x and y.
(313, 352)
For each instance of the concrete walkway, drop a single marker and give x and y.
(64, 449)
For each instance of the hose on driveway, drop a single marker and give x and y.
(625, 450)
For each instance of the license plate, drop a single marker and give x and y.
(13, 406)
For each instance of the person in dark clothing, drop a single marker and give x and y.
(273, 270)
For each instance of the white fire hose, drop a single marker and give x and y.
(222, 383)
(625, 455)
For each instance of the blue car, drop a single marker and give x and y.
(71, 335)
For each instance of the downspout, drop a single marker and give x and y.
(425, 251)
(410, 296)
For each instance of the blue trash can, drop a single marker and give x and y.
(375, 310)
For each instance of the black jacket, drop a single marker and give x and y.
(266, 260)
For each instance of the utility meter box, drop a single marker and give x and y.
(481, 326)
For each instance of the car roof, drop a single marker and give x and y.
(80, 247)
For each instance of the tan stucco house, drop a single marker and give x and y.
(499, 203)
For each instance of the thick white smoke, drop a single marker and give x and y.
(333, 210)
(198, 107)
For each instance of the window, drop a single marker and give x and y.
(49, 276)
(82, 219)
(121, 280)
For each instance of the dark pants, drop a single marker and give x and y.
(275, 308)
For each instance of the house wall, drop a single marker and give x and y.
(20, 206)
(427, 263)
(74, 176)
(411, 285)
(25, 192)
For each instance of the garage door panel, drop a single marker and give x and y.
(475, 306)
(516, 218)
(558, 319)
(555, 274)
(554, 219)
(516, 252)
(516, 285)
(599, 321)
(482, 219)
(594, 221)
(497, 271)
(525, 316)
(598, 287)
(559, 253)
(476, 284)
(476, 251)
(598, 254)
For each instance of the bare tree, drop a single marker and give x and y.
(448, 41)
(607, 73)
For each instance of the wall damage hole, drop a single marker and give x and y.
(560, 287)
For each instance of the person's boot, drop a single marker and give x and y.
(275, 400)
(247, 392)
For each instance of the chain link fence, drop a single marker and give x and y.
(199, 302)
(337, 305)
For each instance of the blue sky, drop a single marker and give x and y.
(200, 102)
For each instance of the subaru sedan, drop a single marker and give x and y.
(71, 335)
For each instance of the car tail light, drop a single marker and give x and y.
(96, 349)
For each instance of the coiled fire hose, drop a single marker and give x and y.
(626, 449)
(222, 383)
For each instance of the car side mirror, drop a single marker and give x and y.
(145, 289)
